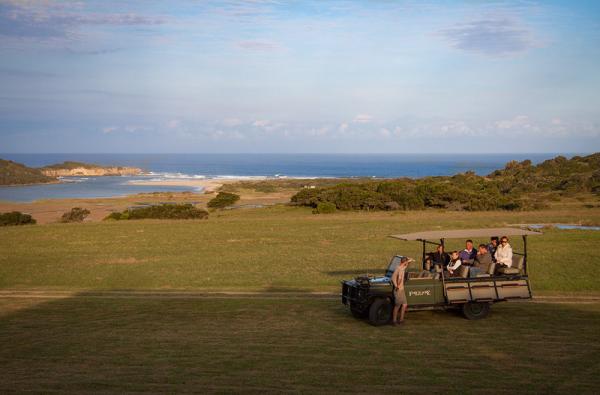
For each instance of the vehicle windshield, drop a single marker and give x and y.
(393, 265)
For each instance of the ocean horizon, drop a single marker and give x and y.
(247, 166)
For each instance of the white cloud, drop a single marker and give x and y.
(109, 129)
(363, 118)
(231, 122)
(173, 124)
(259, 45)
(261, 123)
(519, 121)
(384, 132)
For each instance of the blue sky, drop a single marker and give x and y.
(299, 76)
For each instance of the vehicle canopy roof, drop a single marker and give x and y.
(465, 233)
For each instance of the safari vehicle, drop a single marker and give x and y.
(372, 297)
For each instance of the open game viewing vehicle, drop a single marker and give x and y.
(372, 297)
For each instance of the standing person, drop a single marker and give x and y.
(400, 302)
(504, 253)
(491, 247)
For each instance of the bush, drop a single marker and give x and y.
(163, 211)
(76, 214)
(325, 208)
(16, 218)
(223, 199)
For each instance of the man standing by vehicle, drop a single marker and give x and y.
(400, 302)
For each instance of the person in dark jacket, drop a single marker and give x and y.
(491, 247)
(482, 261)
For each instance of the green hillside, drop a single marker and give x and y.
(72, 165)
(12, 173)
(519, 186)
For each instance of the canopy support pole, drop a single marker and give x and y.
(525, 254)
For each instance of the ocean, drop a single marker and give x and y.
(173, 166)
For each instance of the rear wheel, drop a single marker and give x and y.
(475, 311)
(380, 312)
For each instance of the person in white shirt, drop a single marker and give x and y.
(454, 264)
(504, 253)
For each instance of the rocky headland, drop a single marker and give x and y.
(67, 169)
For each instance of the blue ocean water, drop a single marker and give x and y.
(167, 166)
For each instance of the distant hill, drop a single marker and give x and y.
(578, 174)
(519, 186)
(70, 168)
(13, 173)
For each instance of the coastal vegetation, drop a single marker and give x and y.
(161, 211)
(16, 218)
(222, 200)
(519, 186)
(76, 214)
(13, 173)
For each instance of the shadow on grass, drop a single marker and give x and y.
(354, 273)
(90, 344)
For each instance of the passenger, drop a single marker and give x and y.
(440, 257)
(491, 247)
(454, 264)
(482, 262)
(504, 253)
(399, 294)
(436, 261)
(468, 254)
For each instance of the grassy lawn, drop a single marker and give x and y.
(253, 345)
(271, 249)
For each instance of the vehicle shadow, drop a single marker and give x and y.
(354, 272)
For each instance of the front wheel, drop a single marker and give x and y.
(358, 313)
(380, 312)
(475, 311)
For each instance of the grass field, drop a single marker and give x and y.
(312, 346)
(271, 249)
(94, 342)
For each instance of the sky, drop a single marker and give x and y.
(299, 76)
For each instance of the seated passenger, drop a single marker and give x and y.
(454, 264)
(504, 253)
(440, 257)
(491, 247)
(482, 261)
(468, 254)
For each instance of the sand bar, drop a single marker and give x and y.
(207, 184)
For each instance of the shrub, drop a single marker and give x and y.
(114, 216)
(16, 218)
(76, 214)
(325, 208)
(163, 211)
(223, 199)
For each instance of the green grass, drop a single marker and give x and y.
(314, 346)
(277, 248)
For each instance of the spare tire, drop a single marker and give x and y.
(475, 311)
(380, 312)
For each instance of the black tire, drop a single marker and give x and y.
(475, 311)
(380, 312)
